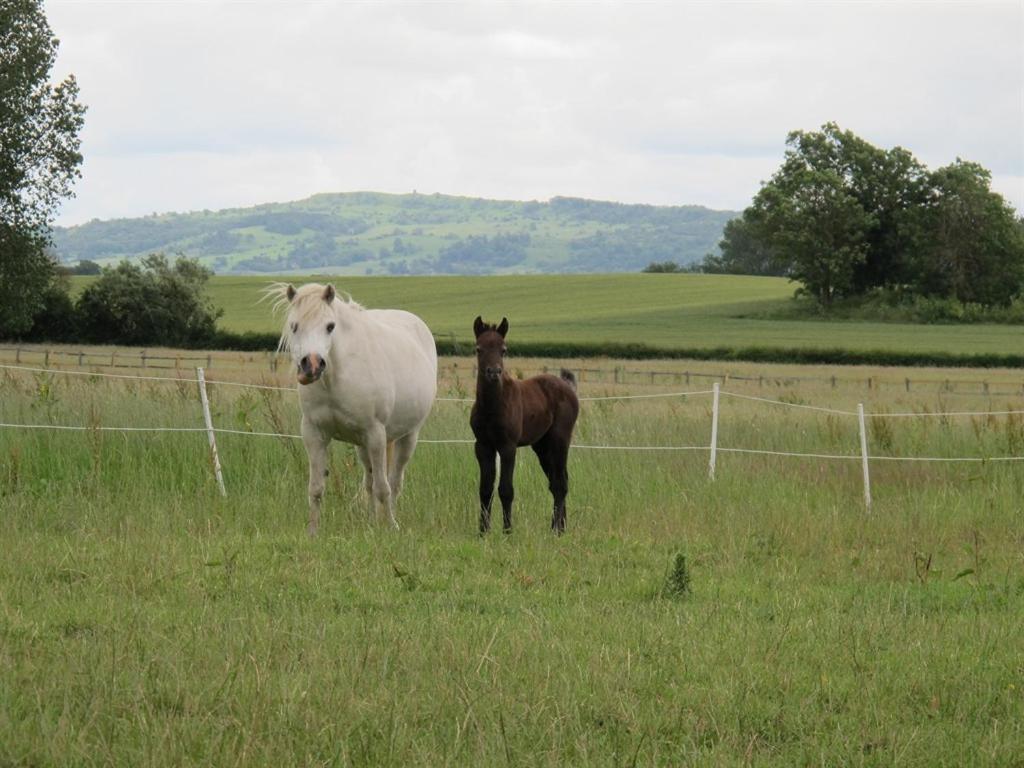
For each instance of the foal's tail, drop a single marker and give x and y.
(569, 377)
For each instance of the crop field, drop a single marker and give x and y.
(763, 618)
(667, 311)
(661, 310)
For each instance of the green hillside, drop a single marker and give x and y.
(366, 233)
(668, 311)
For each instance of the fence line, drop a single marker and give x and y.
(789, 405)
(692, 393)
(713, 448)
(615, 375)
(575, 446)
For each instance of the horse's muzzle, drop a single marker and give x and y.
(492, 373)
(311, 368)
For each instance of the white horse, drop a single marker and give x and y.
(368, 377)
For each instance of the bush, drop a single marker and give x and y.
(56, 321)
(152, 304)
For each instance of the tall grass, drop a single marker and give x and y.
(144, 620)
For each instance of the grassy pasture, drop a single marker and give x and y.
(145, 620)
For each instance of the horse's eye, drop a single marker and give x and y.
(503, 351)
(330, 327)
(295, 327)
(478, 350)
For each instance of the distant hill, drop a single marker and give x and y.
(366, 233)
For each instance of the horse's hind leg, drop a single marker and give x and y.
(402, 453)
(316, 449)
(364, 460)
(558, 481)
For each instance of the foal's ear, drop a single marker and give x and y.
(478, 326)
(503, 327)
(329, 293)
(290, 292)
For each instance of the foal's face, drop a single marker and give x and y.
(310, 326)
(490, 348)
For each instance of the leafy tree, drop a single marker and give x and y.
(745, 249)
(39, 158)
(153, 304)
(819, 226)
(846, 218)
(973, 247)
(887, 184)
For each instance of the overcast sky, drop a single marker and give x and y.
(198, 105)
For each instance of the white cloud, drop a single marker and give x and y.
(218, 104)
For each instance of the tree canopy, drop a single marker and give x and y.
(157, 303)
(39, 158)
(845, 218)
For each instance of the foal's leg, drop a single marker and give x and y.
(485, 456)
(403, 448)
(505, 491)
(377, 449)
(316, 449)
(558, 456)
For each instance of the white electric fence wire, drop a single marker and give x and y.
(737, 395)
(789, 405)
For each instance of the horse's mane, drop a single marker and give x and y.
(306, 305)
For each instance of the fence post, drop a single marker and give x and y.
(209, 431)
(714, 432)
(142, 355)
(864, 456)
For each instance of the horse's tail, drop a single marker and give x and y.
(569, 377)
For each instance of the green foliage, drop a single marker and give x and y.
(84, 267)
(744, 249)
(844, 218)
(153, 304)
(677, 580)
(972, 249)
(56, 321)
(663, 267)
(39, 158)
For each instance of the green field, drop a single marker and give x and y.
(146, 621)
(661, 310)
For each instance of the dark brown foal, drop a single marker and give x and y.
(540, 412)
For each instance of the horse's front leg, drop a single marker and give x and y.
(316, 449)
(377, 450)
(505, 491)
(485, 456)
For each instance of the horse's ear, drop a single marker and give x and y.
(503, 327)
(290, 292)
(329, 294)
(478, 326)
